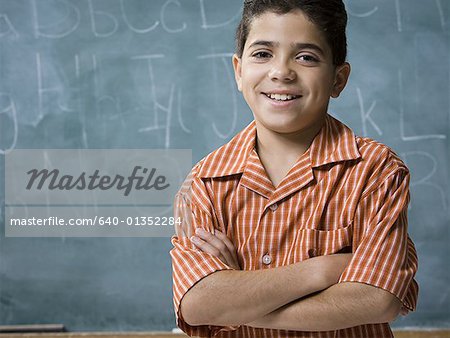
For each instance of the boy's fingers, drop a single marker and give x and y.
(219, 243)
(226, 241)
(206, 247)
(211, 239)
(231, 248)
(215, 246)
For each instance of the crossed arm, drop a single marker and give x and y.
(286, 297)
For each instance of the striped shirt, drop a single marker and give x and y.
(344, 194)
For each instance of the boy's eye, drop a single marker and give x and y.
(261, 55)
(307, 58)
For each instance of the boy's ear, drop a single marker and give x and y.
(237, 71)
(340, 79)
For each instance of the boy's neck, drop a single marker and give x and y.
(285, 147)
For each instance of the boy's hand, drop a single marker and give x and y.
(218, 245)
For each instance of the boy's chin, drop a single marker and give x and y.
(288, 127)
(284, 128)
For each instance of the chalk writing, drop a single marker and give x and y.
(362, 15)
(128, 23)
(163, 18)
(365, 115)
(94, 13)
(206, 25)
(225, 60)
(71, 18)
(83, 122)
(399, 15)
(180, 115)
(402, 118)
(9, 27)
(10, 111)
(157, 106)
(43, 90)
(441, 14)
(40, 86)
(425, 181)
(108, 107)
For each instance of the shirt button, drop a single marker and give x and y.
(274, 207)
(267, 259)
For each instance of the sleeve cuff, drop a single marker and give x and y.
(405, 292)
(189, 267)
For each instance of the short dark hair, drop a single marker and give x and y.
(329, 16)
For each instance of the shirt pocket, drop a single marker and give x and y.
(327, 242)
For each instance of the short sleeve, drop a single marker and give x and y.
(193, 209)
(383, 253)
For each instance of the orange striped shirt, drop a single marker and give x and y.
(344, 194)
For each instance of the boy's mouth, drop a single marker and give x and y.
(282, 97)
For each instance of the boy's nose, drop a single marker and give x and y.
(282, 71)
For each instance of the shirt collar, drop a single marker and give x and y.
(230, 158)
(335, 142)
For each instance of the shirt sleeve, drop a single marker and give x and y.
(383, 254)
(192, 209)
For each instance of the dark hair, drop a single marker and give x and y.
(328, 15)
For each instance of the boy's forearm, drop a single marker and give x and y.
(233, 297)
(340, 306)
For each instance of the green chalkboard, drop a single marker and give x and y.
(121, 74)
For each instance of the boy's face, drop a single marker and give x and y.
(288, 55)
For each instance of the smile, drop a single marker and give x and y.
(282, 97)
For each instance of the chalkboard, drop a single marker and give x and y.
(116, 74)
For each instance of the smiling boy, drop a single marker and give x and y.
(296, 227)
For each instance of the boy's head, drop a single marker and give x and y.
(328, 15)
(290, 61)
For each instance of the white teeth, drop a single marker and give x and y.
(282, 97)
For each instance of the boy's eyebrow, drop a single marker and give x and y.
(312, 46)
(298, 45)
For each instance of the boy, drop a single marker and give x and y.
(296, 227)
